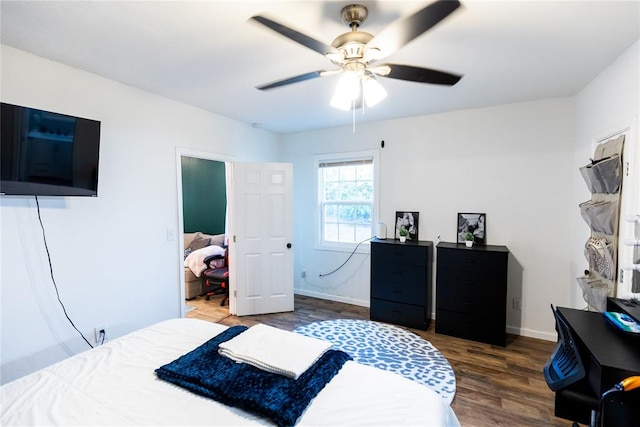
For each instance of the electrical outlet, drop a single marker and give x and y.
(517, 304)
(99, 336)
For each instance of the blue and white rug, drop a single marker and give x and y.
(390, 348)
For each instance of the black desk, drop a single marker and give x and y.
(609, 356)
(620, 305)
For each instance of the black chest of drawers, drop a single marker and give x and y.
(471, 292)
(401, 282)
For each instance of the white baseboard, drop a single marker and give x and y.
(330, 297)
(547, 336)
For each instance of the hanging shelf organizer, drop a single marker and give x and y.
(603, 176)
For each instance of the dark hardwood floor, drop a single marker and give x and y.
(495, 386)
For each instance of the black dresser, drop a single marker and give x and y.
(471, 292)
(401, 282)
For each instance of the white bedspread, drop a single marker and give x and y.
(115, 384)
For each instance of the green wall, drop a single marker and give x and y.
(204, 195)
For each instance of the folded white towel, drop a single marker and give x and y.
(275, 350)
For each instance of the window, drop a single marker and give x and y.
(347, 187)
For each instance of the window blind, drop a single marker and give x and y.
(356, 162)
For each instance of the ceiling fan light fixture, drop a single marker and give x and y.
(341, 103)
(347, 91)
(372, 90)
(354, 86)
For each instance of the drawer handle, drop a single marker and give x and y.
(469, 282)
(398, 273)
(467, 302)
(470, 261)
(396, 291)
(397, 312)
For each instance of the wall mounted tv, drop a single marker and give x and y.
(47, 154)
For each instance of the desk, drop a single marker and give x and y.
(609, 356)
(620, 305)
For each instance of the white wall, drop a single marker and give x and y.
(111, 258)
(517, 163)
(513, 162)
(608, 105)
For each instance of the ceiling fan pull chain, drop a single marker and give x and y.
(353, 116)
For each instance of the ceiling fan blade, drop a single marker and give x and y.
(415, 74)
(296, 36)
(290, 80)
(403, 30)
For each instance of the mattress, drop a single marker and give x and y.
(115, 384)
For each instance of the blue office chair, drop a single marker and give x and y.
(564, 367)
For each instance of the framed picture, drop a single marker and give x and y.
(474, 223)
(408, 220)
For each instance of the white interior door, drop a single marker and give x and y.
(260, 248)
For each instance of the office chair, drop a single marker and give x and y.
(215, 279)
(564, 367)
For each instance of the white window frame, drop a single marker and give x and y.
(338, 157)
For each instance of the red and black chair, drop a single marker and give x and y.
(215, 279)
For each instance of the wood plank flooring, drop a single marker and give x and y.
(496, 386)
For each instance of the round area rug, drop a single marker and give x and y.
(390, 348)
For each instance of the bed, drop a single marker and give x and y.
(116, 384)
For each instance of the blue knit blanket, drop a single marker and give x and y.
(205, 372)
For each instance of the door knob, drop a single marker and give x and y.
(288, 245)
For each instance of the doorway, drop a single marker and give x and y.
(260, 215)
(202, 207)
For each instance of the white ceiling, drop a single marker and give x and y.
(208, 54)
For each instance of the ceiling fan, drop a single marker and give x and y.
(356, 53)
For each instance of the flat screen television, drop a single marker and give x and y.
(47, 154)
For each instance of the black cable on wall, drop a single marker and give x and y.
(347, 260)
(53, 280)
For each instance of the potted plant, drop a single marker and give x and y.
(403, 233)
(468, 239)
